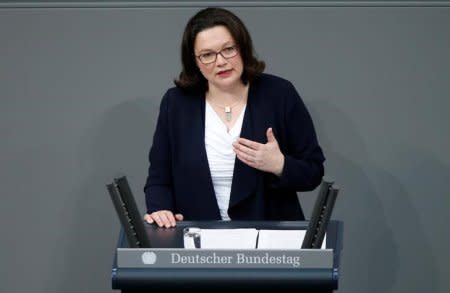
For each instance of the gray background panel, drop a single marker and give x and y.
(79, 96)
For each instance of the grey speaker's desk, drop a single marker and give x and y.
(141, 279)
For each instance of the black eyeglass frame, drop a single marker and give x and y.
(217, 53)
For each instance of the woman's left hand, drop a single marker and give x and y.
(265, 157)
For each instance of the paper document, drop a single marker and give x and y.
(229, 238)
(247, 238)
(280, 239)
(283, 239)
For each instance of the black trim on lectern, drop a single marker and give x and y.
(321, 215)
(128, 213)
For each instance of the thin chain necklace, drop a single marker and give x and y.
(227, 109)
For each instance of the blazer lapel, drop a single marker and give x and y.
(245, 177)
(203, 176)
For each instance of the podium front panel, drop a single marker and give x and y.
(137, 278)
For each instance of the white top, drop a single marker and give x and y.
(221, 157)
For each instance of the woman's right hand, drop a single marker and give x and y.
(163, 218)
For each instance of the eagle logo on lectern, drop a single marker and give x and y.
(148, 258)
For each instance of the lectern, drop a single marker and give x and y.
(165, 264)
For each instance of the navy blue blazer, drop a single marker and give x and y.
(179, 178)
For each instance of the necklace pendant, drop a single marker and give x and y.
(228, 114)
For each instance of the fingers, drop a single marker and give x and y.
(265, 157)
(246, 159)
(253, 145)
(148, 218)
(244, 151)
(270, 135)
(248, 143)
(247, 151)
(179, 217)
(161, 218)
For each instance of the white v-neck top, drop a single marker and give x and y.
(221, 157)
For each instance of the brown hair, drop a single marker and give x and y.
(190, 77)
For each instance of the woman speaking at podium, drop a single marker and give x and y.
(231, 142)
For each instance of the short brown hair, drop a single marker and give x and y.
(190, 77)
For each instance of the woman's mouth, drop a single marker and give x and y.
(224, 73)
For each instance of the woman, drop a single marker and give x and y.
(231, 143)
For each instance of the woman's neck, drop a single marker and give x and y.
(227, 96)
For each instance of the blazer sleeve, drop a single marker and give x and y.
(303, 164)
(158, 187)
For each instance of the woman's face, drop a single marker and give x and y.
(224, 72)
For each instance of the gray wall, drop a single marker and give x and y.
(72, 79)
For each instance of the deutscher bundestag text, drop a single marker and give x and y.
(238, 258)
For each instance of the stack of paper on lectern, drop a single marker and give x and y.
(228, 238)
(248, 238)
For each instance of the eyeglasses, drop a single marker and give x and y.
(210, 57)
